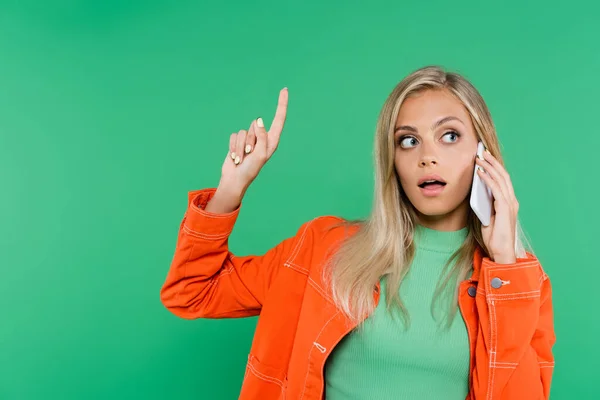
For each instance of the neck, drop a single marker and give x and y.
(437, 240)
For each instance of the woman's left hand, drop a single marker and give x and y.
(499, 236)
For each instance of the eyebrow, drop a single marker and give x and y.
(435, 125)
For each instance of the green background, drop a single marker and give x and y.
(111, 111)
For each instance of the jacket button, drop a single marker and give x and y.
(496, 283)
(472, 290)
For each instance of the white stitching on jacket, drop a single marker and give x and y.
(299, 244)
(310, 352)
(264, 377)
(205, 236)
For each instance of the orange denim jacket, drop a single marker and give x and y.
(507, 309)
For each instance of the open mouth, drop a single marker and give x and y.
(431, 184)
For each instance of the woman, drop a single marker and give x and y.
(419, 301)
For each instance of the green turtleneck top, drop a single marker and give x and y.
(388, 361)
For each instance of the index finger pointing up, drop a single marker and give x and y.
(278, 120)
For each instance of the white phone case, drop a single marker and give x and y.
(482, 200)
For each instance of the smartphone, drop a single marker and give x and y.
(482, 200)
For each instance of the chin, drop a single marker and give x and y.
(431, 207)
(433, 212)
(437, 208)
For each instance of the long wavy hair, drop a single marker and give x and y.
(383, 243)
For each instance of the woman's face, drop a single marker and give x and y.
(435, 140)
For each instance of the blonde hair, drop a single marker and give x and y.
(383, 245)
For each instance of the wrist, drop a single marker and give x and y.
(226, 198)
(230, 190)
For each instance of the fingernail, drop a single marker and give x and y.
(248, 148)
(285, 88)
(237, 160)
(233, 155)
(260, 123)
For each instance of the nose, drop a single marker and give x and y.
(427, 161)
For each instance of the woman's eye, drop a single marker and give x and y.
(450, 137)
(407, 142)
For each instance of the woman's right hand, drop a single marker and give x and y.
(248, 153)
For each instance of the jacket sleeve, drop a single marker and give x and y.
(513, 354)
(205, 279)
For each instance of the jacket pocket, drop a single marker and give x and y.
(263, 381)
